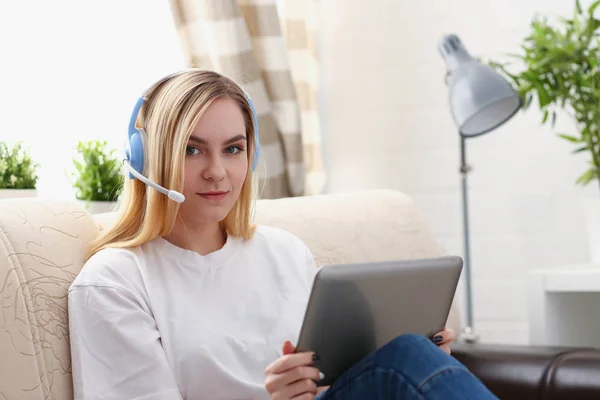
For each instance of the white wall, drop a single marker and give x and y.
(387, 125)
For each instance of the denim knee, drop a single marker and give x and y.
(414, 356)
(411, 339)
(412, 349)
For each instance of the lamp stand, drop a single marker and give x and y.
(468, 334)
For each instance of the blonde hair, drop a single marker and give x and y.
(170, 113)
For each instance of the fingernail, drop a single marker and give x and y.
(321, 376)
(316, 357)
(437, 339)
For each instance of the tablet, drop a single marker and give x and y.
(354, 309)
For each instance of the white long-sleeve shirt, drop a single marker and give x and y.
(161, 322)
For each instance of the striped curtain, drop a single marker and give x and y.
(299, 25)
(243, 40)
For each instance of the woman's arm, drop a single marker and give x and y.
(115, 347)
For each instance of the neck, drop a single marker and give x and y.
(201, 238)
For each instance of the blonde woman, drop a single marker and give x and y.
(183, 298)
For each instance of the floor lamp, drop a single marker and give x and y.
(480, 101)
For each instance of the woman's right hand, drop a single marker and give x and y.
(292, 376)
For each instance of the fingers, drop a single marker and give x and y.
(450, 335)
(288, 347)
(293, 383)
(305, 396)
(292, 376)
(275, 382)
(444, 337)
(289, 361)
(301, 389)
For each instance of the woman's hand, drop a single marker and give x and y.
(444, 338)
(292, 376)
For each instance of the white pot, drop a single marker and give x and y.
(591, 208)
(98, 207)
(17, 193)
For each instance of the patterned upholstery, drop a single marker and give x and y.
(42, 245)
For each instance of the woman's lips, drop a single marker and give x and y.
(213, 196)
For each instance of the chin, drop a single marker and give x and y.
(202, 212)
(209, 218)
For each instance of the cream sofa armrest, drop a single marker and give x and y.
(42, 247)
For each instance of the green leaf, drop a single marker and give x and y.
(528, 101)
(587, 176)
(545, 117)
(593, 7)
(570, 138)
(580, 149)
(543, 97)
(593, 24)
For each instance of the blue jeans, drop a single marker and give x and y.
(409, 367)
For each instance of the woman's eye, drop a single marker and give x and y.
(190, 151)
(233, 149)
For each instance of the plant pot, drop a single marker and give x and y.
(17, 193)
(98, 207)
(591, 208)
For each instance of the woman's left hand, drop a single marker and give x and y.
(444, 338)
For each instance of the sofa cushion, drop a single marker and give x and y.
(375, 225)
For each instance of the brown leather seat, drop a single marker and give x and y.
(534, 373)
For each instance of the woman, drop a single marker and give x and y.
(189, 300)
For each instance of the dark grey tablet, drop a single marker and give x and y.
(355, 309)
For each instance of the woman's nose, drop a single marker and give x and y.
(215, 170)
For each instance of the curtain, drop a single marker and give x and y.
(299, 26)
(243, 39)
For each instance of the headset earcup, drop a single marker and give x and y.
(256, 152)
(256, 135)
(136, 153)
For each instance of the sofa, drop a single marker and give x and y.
(43, 242)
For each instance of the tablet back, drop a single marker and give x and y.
(356, 308)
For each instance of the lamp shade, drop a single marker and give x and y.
(480, 98)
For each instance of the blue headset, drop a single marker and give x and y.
(135, 161)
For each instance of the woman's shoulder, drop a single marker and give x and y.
(287, 249)
(110, 267)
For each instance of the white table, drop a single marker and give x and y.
(564, 306)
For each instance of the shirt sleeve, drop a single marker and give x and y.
(115, 348)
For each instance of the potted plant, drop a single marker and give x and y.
(560, 66)
(17, 172)
(97, 177)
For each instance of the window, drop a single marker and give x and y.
(73, 70)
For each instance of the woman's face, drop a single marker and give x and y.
(216, 163)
